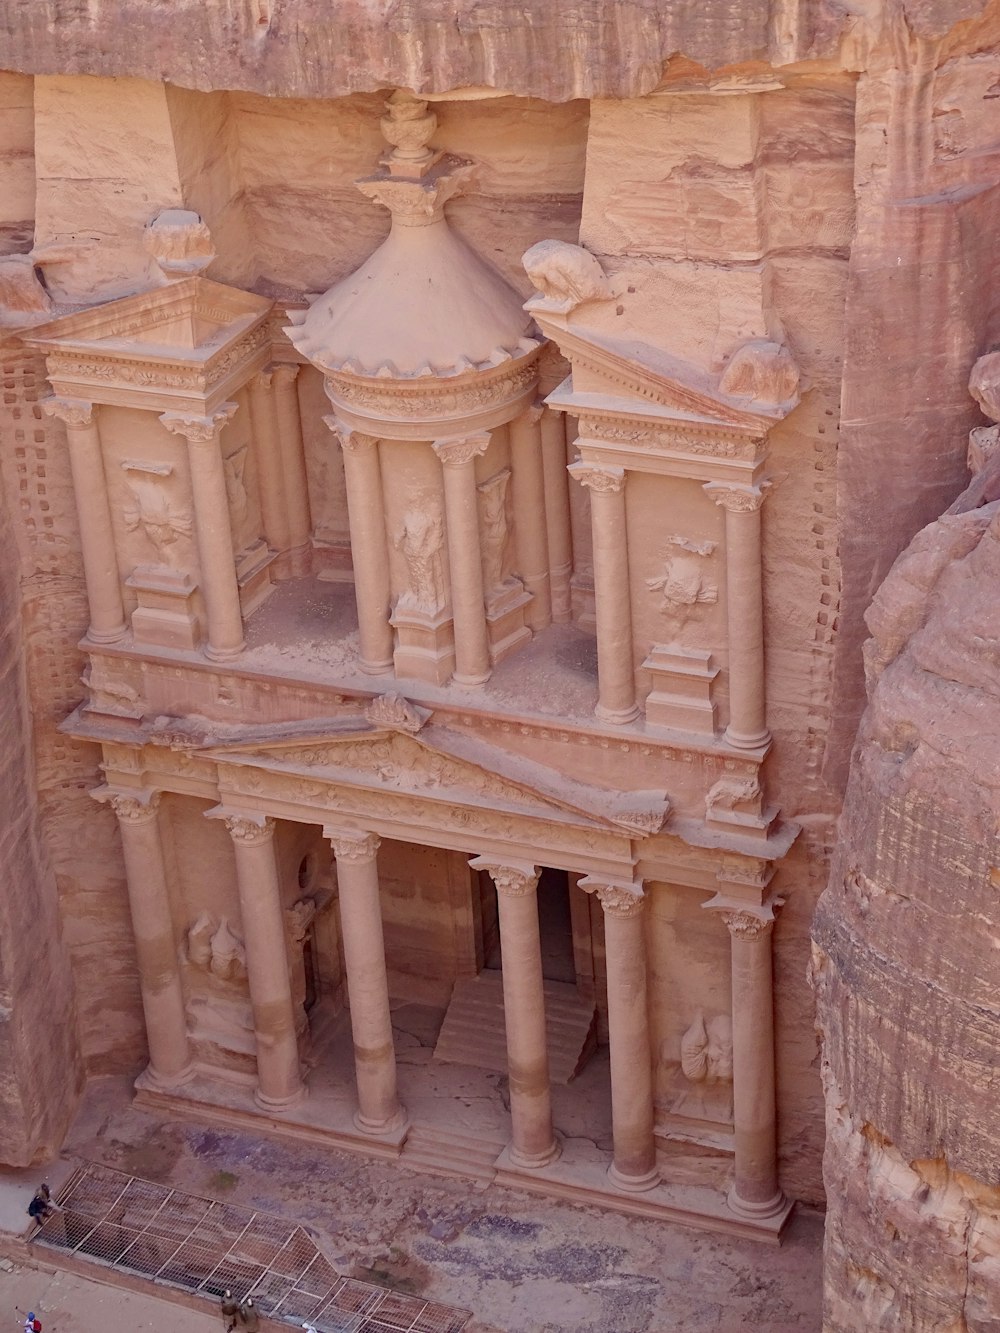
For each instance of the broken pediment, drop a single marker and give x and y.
(193, 318)
(441, 764)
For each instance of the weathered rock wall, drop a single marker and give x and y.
(906, 939)
(40, 1068)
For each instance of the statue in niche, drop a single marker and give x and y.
(705, 1089)
(199, 941)
(684, 584)
(149, 506)
(421, 542)
(235, 467)
(494, 530)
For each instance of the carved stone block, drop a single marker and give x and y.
(681, 697)
(505, 625)
(253, 575)
(166, 615)
(425, 645)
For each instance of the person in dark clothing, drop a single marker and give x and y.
(249, 1318)
(229, 1309)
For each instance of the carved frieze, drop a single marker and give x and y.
(705, 441)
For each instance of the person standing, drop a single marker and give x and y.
(249, 1318)
(229, 1309)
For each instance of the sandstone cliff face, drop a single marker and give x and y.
(906, 945)
(40, 1071)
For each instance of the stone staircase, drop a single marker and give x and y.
(443, 1152)
(473, 1029)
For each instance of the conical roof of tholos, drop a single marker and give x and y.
(423, 304)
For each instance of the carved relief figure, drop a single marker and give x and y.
(216, 948)
(684, 583)
(494, 530)
(150, 507)
(707, 1050)
(421, 542)
(731, 793)
(566, 275)
(236, 489)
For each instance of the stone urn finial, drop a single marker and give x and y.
(409, 127)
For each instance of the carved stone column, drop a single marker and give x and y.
(557, 515)
(279, 1078)
(270, 468)
(369, 548)
(528, 496)
(472, 645)
(217, 564)
(97, 538)
(744, 612)
(293, 466)
(533, 1143)
(613, 603)
(379, 1110)
(634, 1165)
(155, 943)
(755, 1191)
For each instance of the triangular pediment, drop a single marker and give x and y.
(636, 371)
(444, 765)
(190, 319)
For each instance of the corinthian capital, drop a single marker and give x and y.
(352, 844)
(131, 807)
(250, 829)
(285, 372)
(198, 430)
(737, 499)
(514, 879)
(71, 411)
(747, 926)
(460, 449)
(598, 477)
(620, 900)
(351, 441)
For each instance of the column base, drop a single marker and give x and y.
(745, 1208)
(633, 1184)
(223, 654)
(154, 1081)
(388, 1126)
(376, 668)
(469, 682)
(106, 635)
(618, 717)
(532, 1161)
(279, 1104)
(741, 740)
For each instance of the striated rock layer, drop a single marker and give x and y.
(906, 945)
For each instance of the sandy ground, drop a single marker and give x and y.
(521, 1264)
(66, 1303)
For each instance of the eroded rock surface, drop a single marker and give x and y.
(906, 940)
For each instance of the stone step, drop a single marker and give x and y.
(443, 1152)
(473, 1031)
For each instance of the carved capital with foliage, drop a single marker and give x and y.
(603, 479)
(198, 430)
(72, 412)
(352, 845)
(514, 879)
(458, 450)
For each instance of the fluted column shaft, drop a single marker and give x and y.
(97, 538)
(279, 1078)
(634, 1165)
(528, 495)
(612, 595)
(270, 469)
(472, 645)
(557, 515)
(755, 1190)
(744, 612)
(293, 466)
(533, 1143)
(216, 561)
(369, 548)
(367, 983)
(155, 944)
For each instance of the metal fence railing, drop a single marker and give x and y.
(204, 1247)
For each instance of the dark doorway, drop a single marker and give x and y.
(555, 926)
(309, 967)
